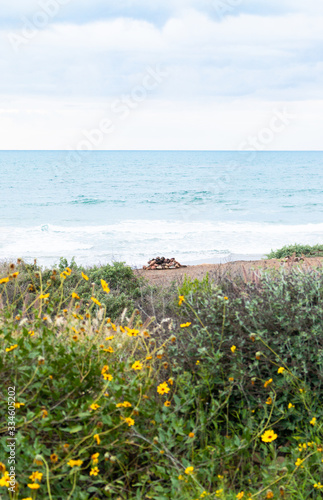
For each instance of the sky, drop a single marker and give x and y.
(162, 74)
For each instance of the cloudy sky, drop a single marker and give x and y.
(161, 74)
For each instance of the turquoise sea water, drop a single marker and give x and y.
(131, 206)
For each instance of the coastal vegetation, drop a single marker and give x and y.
(298, 250)
(207, 389)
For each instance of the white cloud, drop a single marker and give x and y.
(213, 63)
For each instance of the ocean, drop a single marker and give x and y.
(130, 206)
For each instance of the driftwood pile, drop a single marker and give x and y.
(160, 263)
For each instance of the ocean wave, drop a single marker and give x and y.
(135, 241)
(82, 200)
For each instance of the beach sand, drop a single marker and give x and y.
(249, 270)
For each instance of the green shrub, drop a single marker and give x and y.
(125, 286)
(299, 250)
(134, 410)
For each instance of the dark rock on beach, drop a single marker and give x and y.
(162, 263)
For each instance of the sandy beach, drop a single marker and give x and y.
(249, 270)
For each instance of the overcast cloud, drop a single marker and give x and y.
(223, 67)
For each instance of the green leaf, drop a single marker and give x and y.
(72, 430)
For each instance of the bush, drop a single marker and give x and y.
(299, 250)
(188, 408)
(125, 286)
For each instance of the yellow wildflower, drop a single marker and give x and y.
(9, 349)
(109, 349)
(33, 486)
(36, 476)
(110, 338)
(313, 421)
(290, 406)
(94, 406)
(2, 468)
(44, 296)
(131, 332)
(75, 463)
(240, 495)
(269, 494)
(163, 388)
(181, 299)
(4, 280)
(231, 379)
(281, 369)
(137, 365)
(94, 471)
(44, 413)
(17, 405)
(269, 401)
(75, 296)
(15, 275)
(96, 301)
(233, 348)
(167, 403)
(180, 477)
(105, 286)
(185, 325)
(95, 458)
(191, 435)
(5, 480)
(269, 436)
(189, 470)
(85, 277)
(268, 382)
(298, 462)
(129, 421)
(125, 404)
(97, 438)
(53, 458)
